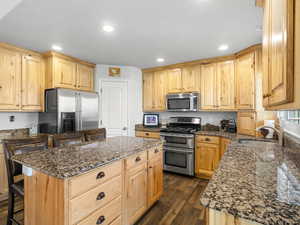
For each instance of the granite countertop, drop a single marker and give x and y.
(74, 160)
(257, 181)
(140, 127)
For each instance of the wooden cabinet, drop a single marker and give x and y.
(208, 87)
(278, 52)
(160, 90)
(246, 123)
(226, 85)
(175, 80)
(33, 83)
(148, 91)
(10, 79)
(155, 178)
(136, 192)
(67, 72)
(245, 81)
(3, 174)
(191, 79)
(224, 145)
(143, 134)
(85, 77)
(207, 156)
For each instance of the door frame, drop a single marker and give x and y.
(101, 81)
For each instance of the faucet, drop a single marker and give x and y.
(279, 132)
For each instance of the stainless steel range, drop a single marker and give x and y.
(179, 144)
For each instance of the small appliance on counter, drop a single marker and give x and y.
(229, 126)
(151, 120)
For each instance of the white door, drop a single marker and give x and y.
(114, 107)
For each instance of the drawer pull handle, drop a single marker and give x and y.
(147, 134)
(100, 175)
(156, 151)
(100, 196)
(207, 139)
(100, 220)
(138, 159)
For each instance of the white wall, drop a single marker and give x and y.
(22, 120)
(7, 5)
(133, 76)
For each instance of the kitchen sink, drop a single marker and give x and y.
(249, 140)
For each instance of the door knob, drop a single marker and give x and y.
(124, 128)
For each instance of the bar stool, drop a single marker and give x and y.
(16, 188)
(95, 134)
(60, 140)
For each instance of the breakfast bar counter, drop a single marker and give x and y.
(110, 182)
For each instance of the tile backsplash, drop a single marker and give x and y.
(213, 118)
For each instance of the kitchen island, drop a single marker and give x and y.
(111, 182)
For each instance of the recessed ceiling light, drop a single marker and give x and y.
(160, 59)
(108, 28)
(223, 47)
(56, 48)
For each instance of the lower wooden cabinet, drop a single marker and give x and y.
(209, 151)
(144, 134)
(3, 176)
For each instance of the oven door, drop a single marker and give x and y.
(178, 140)
(179, 161)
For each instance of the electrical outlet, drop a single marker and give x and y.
(11, 118)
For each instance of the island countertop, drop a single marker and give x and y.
(259, 182)
(69, 161)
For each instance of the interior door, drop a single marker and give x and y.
(114, 107)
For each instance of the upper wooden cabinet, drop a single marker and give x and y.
(175, 81)
(278, 52)
(245, 81)
(22, 79)
(191, 79)
(148, 91)
(226, 85)
(33, 83)
(208, 86)
(67, 72)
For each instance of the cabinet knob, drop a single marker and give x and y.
(100, 196)
(207, 139)
(156, 150)
(147, 134)
(0, 87)
(138, 159)
(100, 220)
(100, 175)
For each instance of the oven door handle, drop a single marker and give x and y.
(179, 151)
(187, 136)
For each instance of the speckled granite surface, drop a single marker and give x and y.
(74, 160)
(257, 181)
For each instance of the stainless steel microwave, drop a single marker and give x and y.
(183, 102)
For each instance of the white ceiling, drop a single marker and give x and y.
(177, 30)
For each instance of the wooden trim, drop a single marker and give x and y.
(70, 58)
(260, 3)
(19, 49)
(204, 61)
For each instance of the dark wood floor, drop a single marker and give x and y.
(179, 204)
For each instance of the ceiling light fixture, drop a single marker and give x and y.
(108, 28)
(223, 47)
(160, 59)
(56, 48)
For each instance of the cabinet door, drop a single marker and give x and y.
(246, 123)
(64, 73)
(10, 75)
(226, 85)
(224, 144)
(191, 79)
(136, 201)
(85, 77)
(207, 158)
(3, 175)
(245, 82)
(208, 86)
(160, 89)
(175, 81)
(148, 92)
(281, 53)
(33, 79)
(155, 180)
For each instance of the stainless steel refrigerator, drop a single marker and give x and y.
(69, 111)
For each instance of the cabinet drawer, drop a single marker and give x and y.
(147, 134)
(155, 152)
(94, 199)
(136, 159)
(94, 178)
(208, 139)
(105, 215)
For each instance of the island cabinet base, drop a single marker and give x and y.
(114, 194)
(220, 218)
